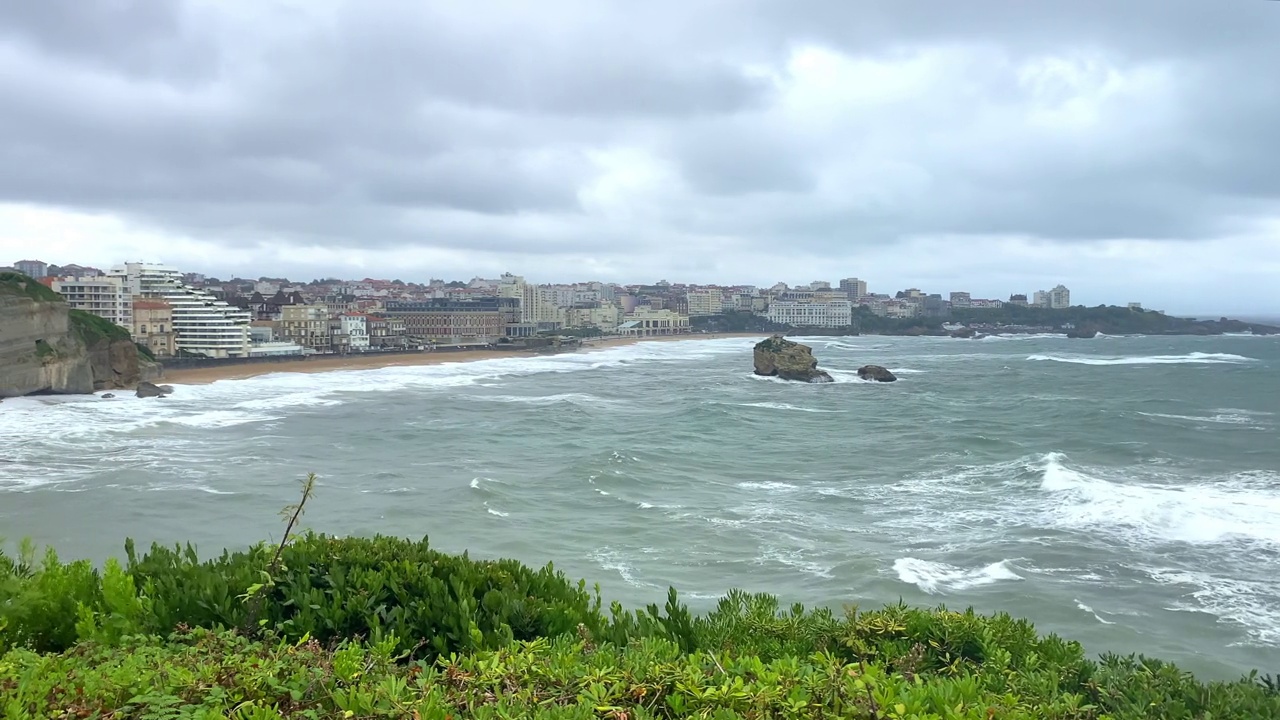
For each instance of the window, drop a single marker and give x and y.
(143, 330)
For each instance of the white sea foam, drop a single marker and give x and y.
(1222, 418)
(610, 559)
(1095, 615)
(569, 398)
(786, 406)
(1189, 358)
(905, 371)
(491, 511)
(938, 577)
(1232, 508)
(1251, 604)
(771, 486)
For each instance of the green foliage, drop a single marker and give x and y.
(383, 627)
(204, 674)
(145, 352)
(93, 329)
(15, 283)
(44, 350)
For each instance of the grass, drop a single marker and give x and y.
(93, 329)
(16, 283)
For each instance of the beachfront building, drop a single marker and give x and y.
(356, 327)
(602, 316)
(647, 322)
(202, 323)
(445, 321)
(306, 325)
(153, 327)
(854, 288)
(705, 302)
(101, 296)
(386, 332)
(829, 314)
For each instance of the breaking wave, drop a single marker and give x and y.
(1192, 358)
(938, 577)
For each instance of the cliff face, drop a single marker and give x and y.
(47, 348)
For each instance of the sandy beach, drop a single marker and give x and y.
(328, 363)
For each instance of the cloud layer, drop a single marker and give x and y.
(1127, 150)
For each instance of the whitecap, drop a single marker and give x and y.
(1095, 615)
(1231, 508)
(905, 371)
(498, 513)
(1249, 604)
(770, 486)
(610, 559)
(1189, 358)
(938, 577)
(786, 406)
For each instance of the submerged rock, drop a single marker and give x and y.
(108, 396)
(876, 373)
(146, 390)
(783, 358)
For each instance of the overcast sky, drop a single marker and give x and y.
(1130, 150)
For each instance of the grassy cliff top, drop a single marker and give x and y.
(93, 329)
(15, 283)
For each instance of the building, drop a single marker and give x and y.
(1041, 299)
(153, 327)
(356, 327)
(602, 316)
(386, 332)
(32, 268)
(830, 314)
(647, 322)
(705, 302)
(102, 296)
(306, 325)
(1018, 299)
(936, 307)
(960, 300)
(202, 324)
(1060, 298)
(455, 322)
(1136, 306)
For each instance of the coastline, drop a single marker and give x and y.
(374, 361)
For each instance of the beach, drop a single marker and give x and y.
(374, 360)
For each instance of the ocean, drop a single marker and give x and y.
(1121, 491)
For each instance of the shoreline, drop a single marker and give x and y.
(375, 361)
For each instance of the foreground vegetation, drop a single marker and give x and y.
(382, 627)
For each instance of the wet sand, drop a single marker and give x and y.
(328, 363)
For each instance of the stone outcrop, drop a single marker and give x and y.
(788, 360)
(45, 348)
(876, 373)
(146, 390)
(964, 332)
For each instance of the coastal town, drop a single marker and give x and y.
(184, 314)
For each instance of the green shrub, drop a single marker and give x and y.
(93, 329)
(451, 636)
(145, 352)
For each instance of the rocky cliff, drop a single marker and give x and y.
(783, 358)
(45, 347)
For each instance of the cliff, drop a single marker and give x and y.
(48, 348)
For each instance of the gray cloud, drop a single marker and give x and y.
(639, 135)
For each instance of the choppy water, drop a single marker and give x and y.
(1121, 491)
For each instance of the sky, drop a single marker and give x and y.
(1125, 149)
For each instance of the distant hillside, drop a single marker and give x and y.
(47, 347)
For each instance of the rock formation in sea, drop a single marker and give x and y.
(876, 373)
(146, 390)
(48, 348)
(788, 360)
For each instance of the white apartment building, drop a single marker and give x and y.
(705, 302)
(833, 314)
(102, 296)
(1060, 298)
(356, 327)
(202, 323)
(1041, 299)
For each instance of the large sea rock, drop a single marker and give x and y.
(146, 390)
(876, 373)
(788, 360)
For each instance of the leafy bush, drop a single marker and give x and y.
(384, 627)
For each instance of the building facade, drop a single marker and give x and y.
(202, 324)
(705, 302)
(306, 325)
(647, 322)
(854, 288)
(32, 268)
(481, 321)
(830, 314)
(1060, 298)
(356, 328)
(153, 327)
(102, 296)
(961, 300)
